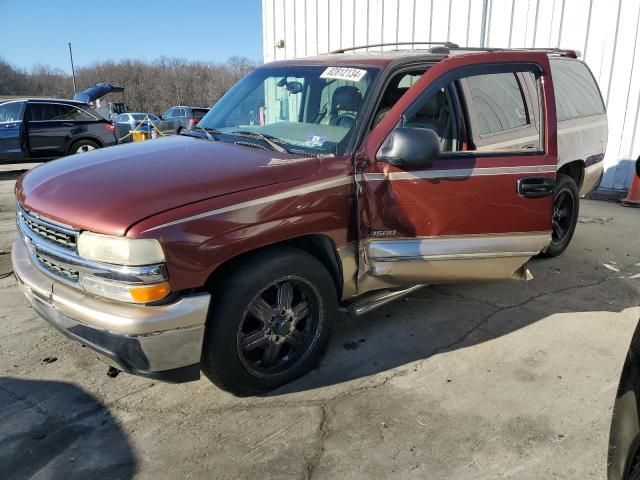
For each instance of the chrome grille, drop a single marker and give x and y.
(58, 270)
(53, 233)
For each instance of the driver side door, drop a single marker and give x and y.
(474, 212)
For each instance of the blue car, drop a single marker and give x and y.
(42, 129)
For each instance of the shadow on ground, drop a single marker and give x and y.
(56, 430)
(439, 319)
(11, 174)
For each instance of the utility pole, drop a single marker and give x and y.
(483, 31)
(73, 72)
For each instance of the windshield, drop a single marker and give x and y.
(138, 116)
(306, 108)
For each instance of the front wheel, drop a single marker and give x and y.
(269, 323)
(565, 215)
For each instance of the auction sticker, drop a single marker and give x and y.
(315, 140)
(344, 73)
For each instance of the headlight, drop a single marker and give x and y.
(119, 250)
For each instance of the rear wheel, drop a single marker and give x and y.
(565, 215)
(83, 146)
(269, 323)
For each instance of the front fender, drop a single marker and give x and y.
(197, 239)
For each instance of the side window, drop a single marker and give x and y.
(43, 112)
(181, 112)
(73, 113)
(502, 118)
(11, 112)
(169, 113)
(576, 91)
(435, 113)
(438, 114)
(499, 102)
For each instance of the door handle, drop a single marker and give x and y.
(535, 187)
(68, 124)
(11, 125)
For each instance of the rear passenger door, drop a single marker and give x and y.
(47, 131)
(483, 207)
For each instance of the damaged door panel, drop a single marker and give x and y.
(458, 213)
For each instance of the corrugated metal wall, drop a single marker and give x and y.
(606, 31)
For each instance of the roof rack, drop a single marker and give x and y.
(445, 46)
(395, 44)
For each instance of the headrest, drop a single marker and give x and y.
(434, 105)
(346, 98)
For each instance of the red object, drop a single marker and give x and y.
(193, 121)
(109, 126)
(633, 196)
(206, 212)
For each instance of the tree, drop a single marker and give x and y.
(149, 86)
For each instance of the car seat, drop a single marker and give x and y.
(345, 104)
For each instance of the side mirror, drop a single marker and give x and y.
(410, 146)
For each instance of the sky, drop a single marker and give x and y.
(38, 31)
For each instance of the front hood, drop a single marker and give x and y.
(108, 190)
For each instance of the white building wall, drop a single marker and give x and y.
(605, 31)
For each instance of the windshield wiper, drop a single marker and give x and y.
(273, 142)
(207, 131)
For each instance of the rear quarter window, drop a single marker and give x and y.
(576, 91)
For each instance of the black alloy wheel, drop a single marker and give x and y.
(564, 217)
(269, 321)
(278, 326)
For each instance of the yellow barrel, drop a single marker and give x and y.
(139, 136)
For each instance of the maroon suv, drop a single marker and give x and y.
(346, 179)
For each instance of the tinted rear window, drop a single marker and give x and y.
(199, 112)
(577, 93)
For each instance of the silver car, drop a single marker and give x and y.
(146, 122)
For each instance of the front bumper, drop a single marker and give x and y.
(162, 342)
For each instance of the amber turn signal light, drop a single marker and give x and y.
(149, 293)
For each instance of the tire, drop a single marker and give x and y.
(565, 196)
(82, 146)
(179, 131)
(269, 323)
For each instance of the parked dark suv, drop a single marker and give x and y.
(42, 129)
(183, 118)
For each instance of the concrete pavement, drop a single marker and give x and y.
(502, 380)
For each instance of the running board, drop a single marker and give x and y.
(377, 299)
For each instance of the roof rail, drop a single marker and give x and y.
(395, 44)
(564, 52)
